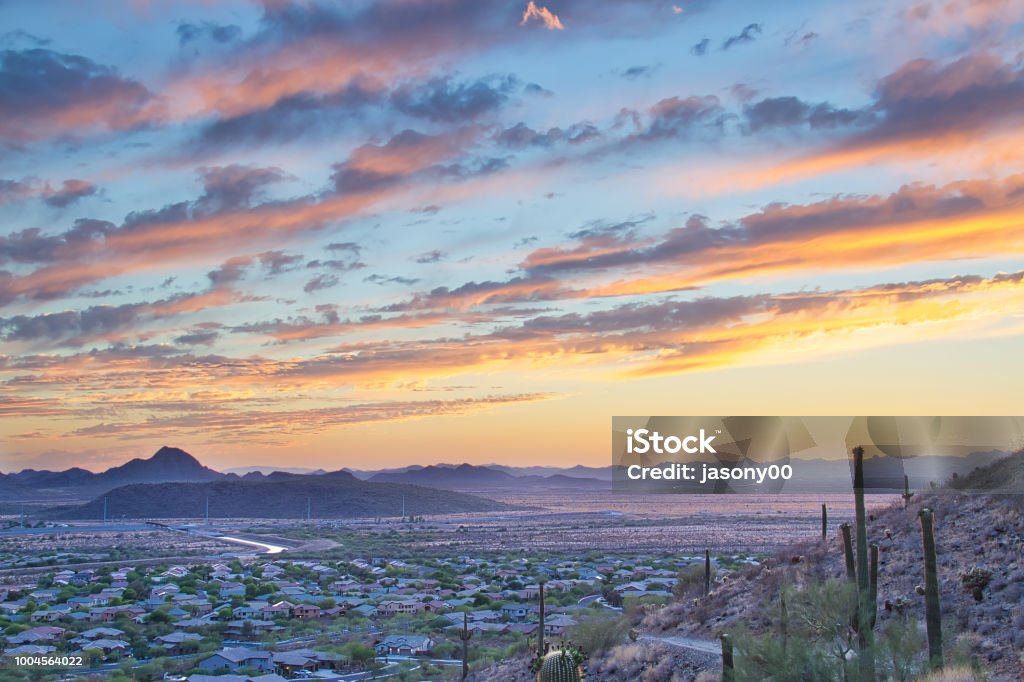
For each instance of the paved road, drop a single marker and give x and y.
(704, 646)
(587, 601)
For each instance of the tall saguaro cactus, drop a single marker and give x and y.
(933, 609)
(824, 523)
(540, 627)
(707, 572)
(867, 607)
(465, 635)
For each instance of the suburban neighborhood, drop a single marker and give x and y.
(268, 620)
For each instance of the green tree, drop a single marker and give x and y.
(597, 635)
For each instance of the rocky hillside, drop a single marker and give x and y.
(983, 533)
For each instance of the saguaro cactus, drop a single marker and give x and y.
(728, 669)
(465, 635)
(559, 666)
(707, 572)
(933, 609)
(851, 567)
(824, 523)
(907, 495)
(865, 633)
(540, 627)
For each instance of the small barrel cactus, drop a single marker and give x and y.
(559, 665)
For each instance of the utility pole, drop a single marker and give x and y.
(104, 509)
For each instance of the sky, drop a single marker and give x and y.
(372, 234)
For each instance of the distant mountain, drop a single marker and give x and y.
(578, 471)
(31, 478)
(462, 476)
(166, 465)
(339, 495)
(269, 469)
(471, 477)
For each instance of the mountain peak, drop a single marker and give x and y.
(172, 455)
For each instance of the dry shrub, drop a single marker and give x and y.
(953, 675)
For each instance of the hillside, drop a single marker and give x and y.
(981, 530)
(338, 495)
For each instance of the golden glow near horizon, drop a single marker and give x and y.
(476, 233)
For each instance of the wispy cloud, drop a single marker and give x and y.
(543, 15)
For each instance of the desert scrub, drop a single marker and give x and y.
(975, 580)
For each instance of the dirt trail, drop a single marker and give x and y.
(704, 646)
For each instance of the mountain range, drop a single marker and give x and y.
(174, 465)
(166, 465)
(330, 496)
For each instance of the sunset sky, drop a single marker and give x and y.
(370, 234)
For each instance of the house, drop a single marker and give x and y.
(305, 612)
(36, 635)
(175, 572)
(558, 624)
(85, 601)
(47, 616)
(247, 611)
(528, 629)
(235, 659)
(44, 595)
(404, 645)
(281, 608)
(323, 659)
(107, 646)
(516, 612)
(97, 633)
(289, 663)
(366, 610)
(178, 643)
(12, 607)
(105, 614)
(232, 590)
(30, 650)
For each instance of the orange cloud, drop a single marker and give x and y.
(542, 14)
(263, 394)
